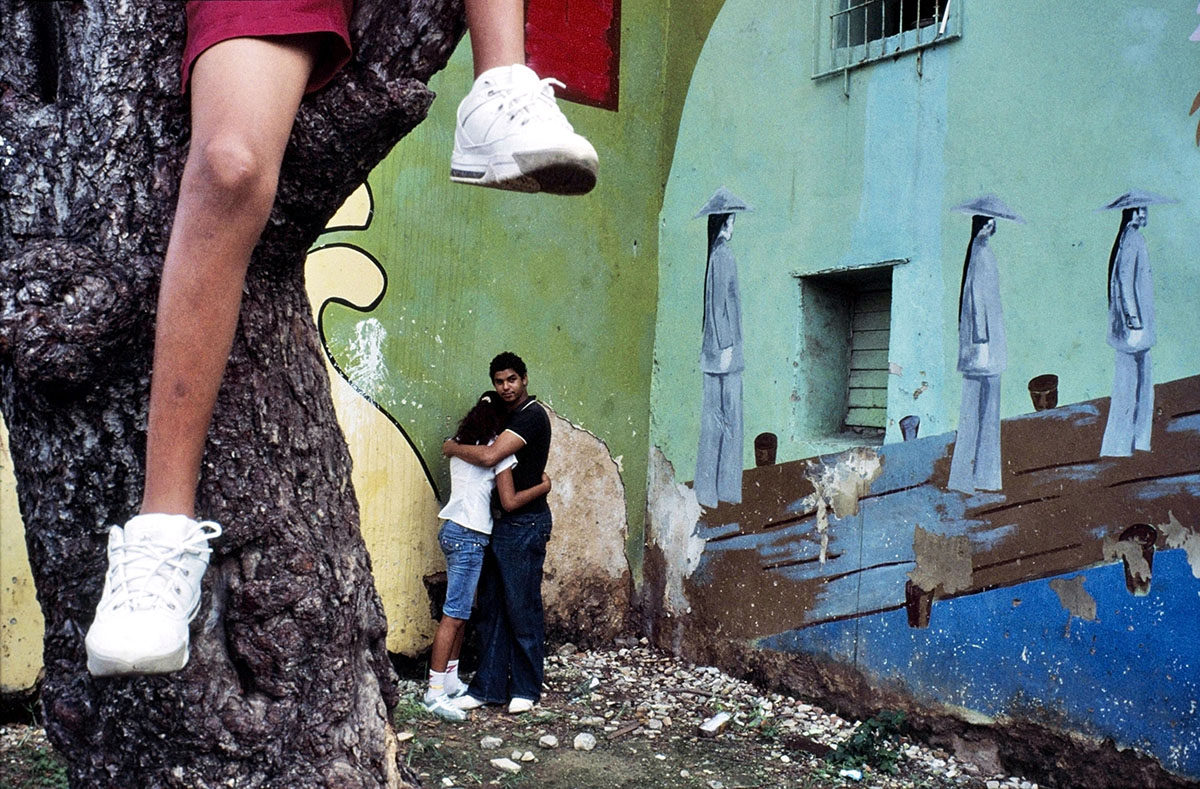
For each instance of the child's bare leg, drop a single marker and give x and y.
(245, 93)
(447, 642)
(497, 33)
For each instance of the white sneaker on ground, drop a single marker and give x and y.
(518, 705)
(511, 135)
(467, 702)
(443, 707)
(151, 593)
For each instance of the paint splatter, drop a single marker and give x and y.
(1077, 600)
(1187, 538)
(838, 487)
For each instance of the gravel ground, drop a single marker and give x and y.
(629, 717)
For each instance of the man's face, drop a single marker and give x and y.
(1140, 216)
(510, 386)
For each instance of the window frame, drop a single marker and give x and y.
(830, 59)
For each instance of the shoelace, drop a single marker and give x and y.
(536, 100)
(135, 565)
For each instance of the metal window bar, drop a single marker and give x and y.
(864, 31)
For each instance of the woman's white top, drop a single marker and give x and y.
(470, 503)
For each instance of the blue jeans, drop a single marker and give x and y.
(464, 560)
(511, 624)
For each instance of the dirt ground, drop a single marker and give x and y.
(642, 710)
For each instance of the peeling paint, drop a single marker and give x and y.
(1185, 537)
(840, 486)
(943, 563)
(674, 513)
(1077, 600)
(587, 573)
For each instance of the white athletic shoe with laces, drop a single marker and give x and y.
(443, 706)
(511, 135)
(151, 593)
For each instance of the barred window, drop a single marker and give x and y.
(853, 33)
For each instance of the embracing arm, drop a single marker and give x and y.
(512, 499)
(487, 456)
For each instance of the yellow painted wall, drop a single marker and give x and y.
(398, 508)
(21, 623)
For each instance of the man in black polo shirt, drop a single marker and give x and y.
(512, 628)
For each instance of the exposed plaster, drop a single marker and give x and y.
(1185, 537)
(674, 514)
(840, 486)
(943, 563)
(1077, 600)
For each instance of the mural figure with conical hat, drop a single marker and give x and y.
(1131, 327)
(719, 458)
(982, 352)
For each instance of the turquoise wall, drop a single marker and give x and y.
(1057, 117)
(567, 283)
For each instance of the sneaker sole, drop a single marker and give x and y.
(553, 172)
(106, 666)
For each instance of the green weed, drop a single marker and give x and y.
(873, 743)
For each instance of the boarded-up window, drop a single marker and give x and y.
(866, 397)
(845, 321)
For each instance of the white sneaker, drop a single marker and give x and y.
(151, 593)
(518, 705)
(467, 702)
(511, 135)
(443, 707)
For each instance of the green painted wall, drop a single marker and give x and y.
(568, 283)
(1056, 117)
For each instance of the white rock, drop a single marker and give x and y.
(548, 741)
(404, 736)
(993, 785)
(490, 743)
(447, 782)
(655, 724)
(584, 742)
(528, 756)
(507, 765)
(515, 756)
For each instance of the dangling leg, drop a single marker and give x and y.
(245, 93)
(510, 132)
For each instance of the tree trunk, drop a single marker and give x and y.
(289, 682)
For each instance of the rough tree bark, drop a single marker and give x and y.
(289, 680)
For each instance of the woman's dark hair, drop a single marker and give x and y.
(977, 223)
(715, 223)
(483, 422)
(1126, 218)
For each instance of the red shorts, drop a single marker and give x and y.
(213, 21)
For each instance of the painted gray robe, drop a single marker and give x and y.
(982, 357)
(1131, 332)
(719, 456)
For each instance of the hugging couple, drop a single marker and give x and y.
(497, 458)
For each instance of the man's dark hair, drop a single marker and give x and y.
(507, 361)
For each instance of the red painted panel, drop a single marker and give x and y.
(577, 42)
